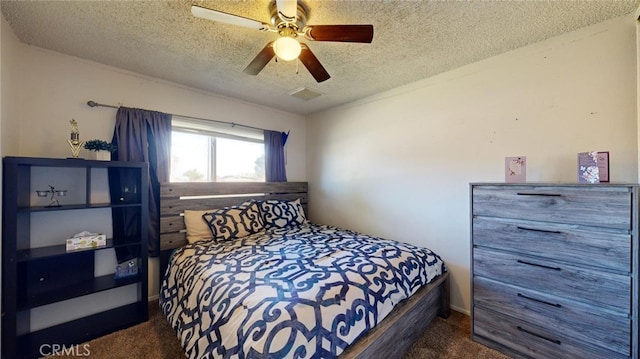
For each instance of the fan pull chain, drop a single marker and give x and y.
(297, 67)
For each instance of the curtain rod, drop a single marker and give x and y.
(233, 124)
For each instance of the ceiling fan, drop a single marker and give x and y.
(288, 19)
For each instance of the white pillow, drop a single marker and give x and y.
(197, 227)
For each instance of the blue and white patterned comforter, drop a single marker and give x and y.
(304, 292)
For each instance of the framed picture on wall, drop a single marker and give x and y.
(603, 166)
(515, 169)
(588, 171)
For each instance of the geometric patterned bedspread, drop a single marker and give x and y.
(305, 292)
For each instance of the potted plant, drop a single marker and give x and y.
(102, 149)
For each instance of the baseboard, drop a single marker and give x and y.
(461, 310)
(154, 298)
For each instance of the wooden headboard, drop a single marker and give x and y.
(175, 197)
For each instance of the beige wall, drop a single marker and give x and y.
(637, 21)
(399, 164)
(10, 88)
(55, 88)
(47, 89)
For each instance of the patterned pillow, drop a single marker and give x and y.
(281, 214)
(234, 222)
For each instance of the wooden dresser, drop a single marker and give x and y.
(555, 269)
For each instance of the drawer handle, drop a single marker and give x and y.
(538, 265)
(554, 341)
(540, 300)
(538, 230)
(539, 194)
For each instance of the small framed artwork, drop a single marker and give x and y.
(603, 166)
(588, 171)
(515, 169)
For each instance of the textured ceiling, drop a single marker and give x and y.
(412, 40)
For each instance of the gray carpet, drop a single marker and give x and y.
(445, 338)
(450, 338)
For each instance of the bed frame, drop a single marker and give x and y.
(390, 339)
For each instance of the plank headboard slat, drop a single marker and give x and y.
(180, 189)
(176, 197)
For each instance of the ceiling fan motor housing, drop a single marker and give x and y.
(301, 16)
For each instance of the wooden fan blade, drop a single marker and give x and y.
(311, 62)
(340, 33)
(261, 60)
(223, 17)
(287, 10)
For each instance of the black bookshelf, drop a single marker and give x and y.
(84, 329)
(34, 275)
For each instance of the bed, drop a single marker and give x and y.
(277, 285)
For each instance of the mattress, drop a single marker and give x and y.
(303, 292)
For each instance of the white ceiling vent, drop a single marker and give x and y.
(305, 93)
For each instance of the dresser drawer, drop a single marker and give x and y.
(591, 206)
(607, 249)
(560, 316)
(532, 341)
(589, 286)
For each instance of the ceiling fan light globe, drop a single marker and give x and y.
(287, 48)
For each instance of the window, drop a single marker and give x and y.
(207, 152)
